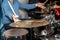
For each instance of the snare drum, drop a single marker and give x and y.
(15, 34)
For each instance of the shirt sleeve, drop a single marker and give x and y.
(27, 6)
(6, 11)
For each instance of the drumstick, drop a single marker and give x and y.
(11, 7)
(45, 1)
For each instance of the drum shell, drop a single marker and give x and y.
(24, 37)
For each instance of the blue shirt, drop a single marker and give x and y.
(16, 5)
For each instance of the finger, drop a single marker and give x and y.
(15, 16)
(43, 7)
(41, 4)
(17, 20)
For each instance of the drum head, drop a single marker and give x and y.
(15, 32)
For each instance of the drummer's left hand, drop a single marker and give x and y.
(40, 5)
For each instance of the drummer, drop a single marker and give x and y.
(9, 17)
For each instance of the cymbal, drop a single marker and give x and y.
(55, 6)
(29, 23)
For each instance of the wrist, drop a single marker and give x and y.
(36, 5)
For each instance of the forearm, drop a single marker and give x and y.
(32, 6)
(28, 6)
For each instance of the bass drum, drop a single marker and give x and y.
(23, 13)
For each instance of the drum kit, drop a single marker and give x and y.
(20, 32)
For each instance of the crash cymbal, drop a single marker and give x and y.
(55, 6)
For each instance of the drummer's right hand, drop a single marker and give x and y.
(15, 15)
(15, 18)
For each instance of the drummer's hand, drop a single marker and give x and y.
(15, 15)
(40, 5)
(15, 18)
